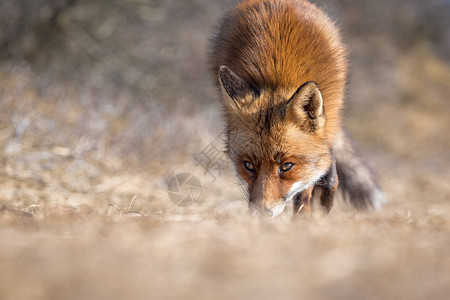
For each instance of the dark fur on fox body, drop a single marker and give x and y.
(282, 72)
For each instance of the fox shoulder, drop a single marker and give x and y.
(279, 45)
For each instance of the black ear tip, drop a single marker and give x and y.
(235, 86)
(224, 70)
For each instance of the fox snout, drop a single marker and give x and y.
(274, 209)
(266, 195)
(261, 204)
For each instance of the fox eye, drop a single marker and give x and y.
(286, 167)
(249, 166)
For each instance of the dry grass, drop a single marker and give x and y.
(80, 221)
(85, 213)
(203, 256)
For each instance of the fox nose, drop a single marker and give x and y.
(261, 209)
(273, 209)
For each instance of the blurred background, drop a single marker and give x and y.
(94, 87)
(101, 101)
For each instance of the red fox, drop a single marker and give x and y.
(281, 68)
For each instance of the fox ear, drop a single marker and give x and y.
(235, 87)
(307, 100)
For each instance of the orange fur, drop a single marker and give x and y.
(270, 49)
(277, 45)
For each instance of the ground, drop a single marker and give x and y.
(85, 166)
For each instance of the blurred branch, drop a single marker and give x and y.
(116, 57)
(58, 10)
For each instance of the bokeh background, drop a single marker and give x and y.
(103, 102)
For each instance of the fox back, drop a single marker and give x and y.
(281, 68)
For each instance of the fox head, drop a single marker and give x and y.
(276, 139)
